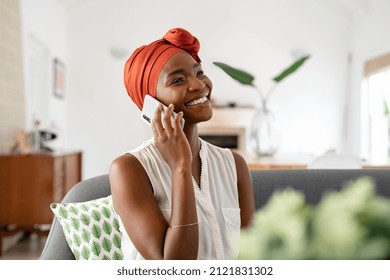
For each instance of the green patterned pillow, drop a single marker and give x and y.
(91, 229)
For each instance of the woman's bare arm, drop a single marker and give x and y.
(134, 201)
(245, 191)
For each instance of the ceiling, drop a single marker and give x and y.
(345, 10)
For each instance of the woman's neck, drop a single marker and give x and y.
(192, 135)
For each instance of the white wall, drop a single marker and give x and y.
(317, 106)
(259, 36)
(44, 36)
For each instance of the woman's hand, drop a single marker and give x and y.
(170, 139)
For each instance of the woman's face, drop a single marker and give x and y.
(183, 83)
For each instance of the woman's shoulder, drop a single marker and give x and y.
(238, 158)
(127, 172)
(126, 162)
(129, 161)
(137, 160)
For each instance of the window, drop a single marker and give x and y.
(375, 111)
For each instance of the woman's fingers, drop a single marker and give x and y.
(156, 122)
(177, 122)
(164, 122)
(169, 137)
(167, 119)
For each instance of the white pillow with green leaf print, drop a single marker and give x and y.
(91, 229)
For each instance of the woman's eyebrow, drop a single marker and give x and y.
(174, 72)
(181, 70)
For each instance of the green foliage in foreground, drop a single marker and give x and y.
(350, 224)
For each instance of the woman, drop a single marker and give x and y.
(177, 196)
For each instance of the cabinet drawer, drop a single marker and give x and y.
(30, 183)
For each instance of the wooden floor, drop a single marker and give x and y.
(29, 248)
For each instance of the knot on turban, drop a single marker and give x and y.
(144, 65)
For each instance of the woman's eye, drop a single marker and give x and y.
(178, 80)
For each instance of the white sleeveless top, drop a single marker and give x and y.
(216, 200)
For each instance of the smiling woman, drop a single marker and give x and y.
(179, 74)
(188, 197)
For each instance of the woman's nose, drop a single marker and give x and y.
(196, 84)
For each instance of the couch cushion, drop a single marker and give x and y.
(91, 228)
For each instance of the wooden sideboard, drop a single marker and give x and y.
(277, 162)
(291, 162)
(30, 183)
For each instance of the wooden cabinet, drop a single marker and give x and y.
(290, 162)
(30, 183)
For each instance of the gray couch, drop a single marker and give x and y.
(313, 183)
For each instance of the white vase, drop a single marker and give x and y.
(265, 134)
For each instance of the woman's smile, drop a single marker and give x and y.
(199, 101)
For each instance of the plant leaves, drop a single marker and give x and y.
(386, 109)
(73, 209)
(75, 223)
(84, 207)
(96, 231)
(85, 219)
(96, 215)
(106, 244)
(117, 256)
(62, 212)
(96, 248)
(76, 240)
(239, 75)
(67, 227)
(107, 227)
(106, 212)
(115, 224)
(85, 253)
(76, 254)
(291, 69)
(86, 235)
(117, 241)
(95, 204)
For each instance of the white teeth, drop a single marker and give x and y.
(198, 101)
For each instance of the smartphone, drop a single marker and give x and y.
(150, 107)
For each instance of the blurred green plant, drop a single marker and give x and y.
(246, 78)
(386, 108)
(351, 224)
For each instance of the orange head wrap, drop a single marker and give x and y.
(144, 65)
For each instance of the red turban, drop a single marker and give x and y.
(144, 65)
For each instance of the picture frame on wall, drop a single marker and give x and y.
(59, 78)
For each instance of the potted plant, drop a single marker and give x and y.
(265, 132)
